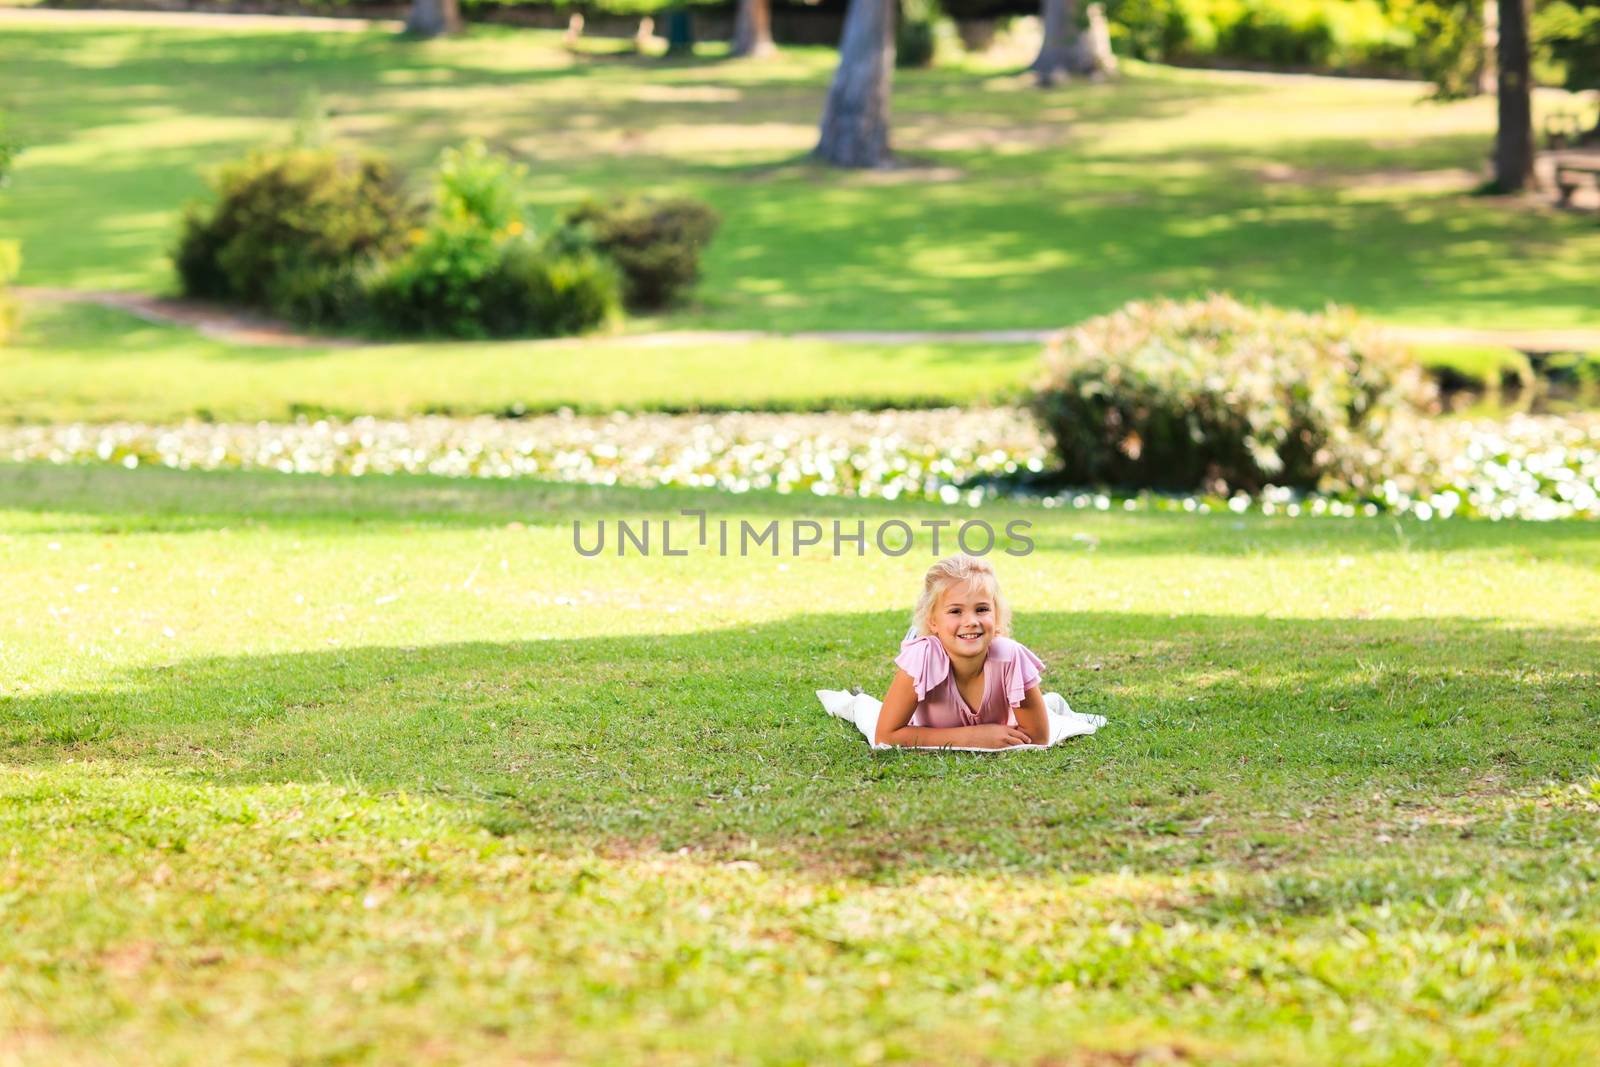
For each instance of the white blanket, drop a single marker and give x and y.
(862, 709)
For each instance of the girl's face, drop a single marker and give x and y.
(964, 619)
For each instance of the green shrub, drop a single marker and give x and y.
(463, 287)
(656, 244)
(477, 272)
(914, 44)
(195, 255)
(1160, 30)
(1216, 396)
(477, 189)
(1318, 34)
(550, 292)
(440, 285)
(915, 35)
(325, 296)
(331, 241)
(282, 216)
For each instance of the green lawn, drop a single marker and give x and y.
(380, 770)
(76, 362)
(1018, 209)
(342, 770)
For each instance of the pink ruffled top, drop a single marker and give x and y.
(1009, 669)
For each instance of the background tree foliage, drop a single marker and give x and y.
(1568, 33)
(1450, 46)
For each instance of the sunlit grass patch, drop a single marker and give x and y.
(74, 362)
(176, 913)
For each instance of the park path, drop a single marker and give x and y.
(227, 324)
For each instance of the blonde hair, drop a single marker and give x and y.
(953, 571)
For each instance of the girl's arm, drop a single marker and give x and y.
(1032, 718)
(901, 702)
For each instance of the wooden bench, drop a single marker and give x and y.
(1570, 168)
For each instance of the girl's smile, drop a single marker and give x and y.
(964, 622)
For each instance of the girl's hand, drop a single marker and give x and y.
(997, 735)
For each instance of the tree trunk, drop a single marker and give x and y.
(430, 18)
(1513, 141)
(1488, 71)
(977, 35)
(855, 121)
(680, 31)
(1094, 56)
(1066, 50)
(752, 30)
(1053, 64)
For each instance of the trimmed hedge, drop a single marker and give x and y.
(1216, 396)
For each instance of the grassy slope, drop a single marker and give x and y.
(392, 748)
(1022, 208)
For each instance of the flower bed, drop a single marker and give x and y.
(1522, 467)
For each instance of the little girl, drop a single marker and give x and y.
(961, 680)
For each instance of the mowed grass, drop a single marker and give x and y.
(1015, 208)
(74, 362)
(337, 770)
(81, 362)
(84, 363)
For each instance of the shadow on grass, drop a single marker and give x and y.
(1234, 740)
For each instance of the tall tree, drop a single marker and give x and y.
(1513, 140)
(752, 30)
(1060, 21)
(1489, 69)
(1066, 49)
(855, 121)
(430, 18)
